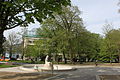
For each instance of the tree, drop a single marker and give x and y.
(67, 35)
(115, 42)
(41, 49)
(32, 53)
(68, 22)
(23, 33)
(15, 13)
(61, 30)
(110, 45)
(13, 42)
(47, 44)
(94, 43)
(88, 46)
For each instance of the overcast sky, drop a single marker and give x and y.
(95, 13)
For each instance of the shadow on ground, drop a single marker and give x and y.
(24, 76)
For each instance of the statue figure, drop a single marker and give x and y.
(48, 65)
(46, 59)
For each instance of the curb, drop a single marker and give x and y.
(25, 69)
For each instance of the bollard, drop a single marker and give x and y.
(51, 68)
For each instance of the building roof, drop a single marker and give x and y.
(34, 36)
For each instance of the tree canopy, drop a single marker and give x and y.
(15, 13)
(66, 34)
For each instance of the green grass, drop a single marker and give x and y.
(27, 61)
(6, 66)
(20, 61)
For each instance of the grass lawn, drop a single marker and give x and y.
(27, 61)
(5, 65)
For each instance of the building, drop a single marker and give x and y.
(15, 56)
(30, 37)
(29, 40)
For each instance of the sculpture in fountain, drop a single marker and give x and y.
(48, 65)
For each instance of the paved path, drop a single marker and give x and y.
(86, 73)
(12, 69)
(82, 73)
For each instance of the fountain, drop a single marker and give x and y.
(48, 66)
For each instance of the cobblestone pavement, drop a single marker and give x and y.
(86, 73)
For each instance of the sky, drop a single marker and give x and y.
(95, 14)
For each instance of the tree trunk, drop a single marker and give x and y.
(2, 40)
(23, 49)
(32, 61)
(10, 52)
(119, 58)
(111, 58)
(65, 61)
(79, 57)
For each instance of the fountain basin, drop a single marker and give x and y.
(40, 67)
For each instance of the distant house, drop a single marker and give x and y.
(30, 37)
(29, 40)
(15, 56)
(16, 52)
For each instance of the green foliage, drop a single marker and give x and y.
(31, 51)
(15, 13)
(110, 45)
(66, 34)
(22, 12)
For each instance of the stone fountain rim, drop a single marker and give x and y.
(69, 68)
